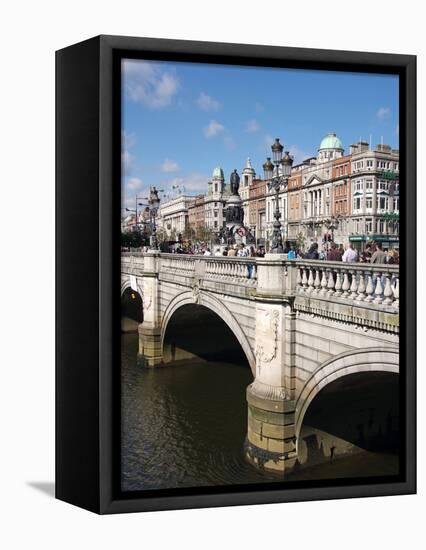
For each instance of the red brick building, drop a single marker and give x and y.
(257, 208)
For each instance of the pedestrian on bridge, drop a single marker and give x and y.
(350, 254)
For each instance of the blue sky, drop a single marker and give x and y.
(180, 120)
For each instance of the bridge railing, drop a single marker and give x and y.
(232, 270)
(132, 263)
(177, 264)
(374, 284)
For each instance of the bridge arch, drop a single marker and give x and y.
(131, 302)
(126, 283)
(217, 307)
(350, 362)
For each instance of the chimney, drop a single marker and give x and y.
(381, 148)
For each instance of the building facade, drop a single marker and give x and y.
(173, 215)
(247, 176)
(375, 195)
(215, 200)
(196, 213)
(345, 198)
(256, 219)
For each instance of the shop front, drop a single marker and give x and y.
(389, 242)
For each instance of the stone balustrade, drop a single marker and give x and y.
(132, 264)
(178, 264)
(373, 284)
(233, 270)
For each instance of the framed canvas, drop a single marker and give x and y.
(236, 279)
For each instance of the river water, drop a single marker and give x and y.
(185, 426)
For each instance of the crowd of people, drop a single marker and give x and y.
(373, 252)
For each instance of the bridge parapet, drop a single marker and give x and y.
(367, 284)
(132, 264)
(356, 291)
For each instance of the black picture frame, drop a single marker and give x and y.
(88, 259)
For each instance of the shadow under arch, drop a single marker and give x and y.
(131, 305)
(216, 307)
(367, 360)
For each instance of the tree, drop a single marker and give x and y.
(133, 239)
(188, 233)
(204, 234)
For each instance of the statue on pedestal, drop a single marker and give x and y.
(235, 182)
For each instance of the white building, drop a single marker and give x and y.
(247, 177)
(173, 215)
(375, 194)
(215, 200)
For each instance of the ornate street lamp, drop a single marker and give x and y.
(268, 169)
(277, 151)
(331, 225)
(154, 204)
(277, 181)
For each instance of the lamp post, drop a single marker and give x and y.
(135, 210)
(276, 181)
(154, 204)
(332, 225)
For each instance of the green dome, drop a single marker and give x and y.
(331, 141)
(218, 173)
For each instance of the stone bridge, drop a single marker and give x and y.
(302, 326)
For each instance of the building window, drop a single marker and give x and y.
(369, 184)
(369, 203)
(246, 180)
(369, 163)
(356, 226)
(368, 225)
(357, 203)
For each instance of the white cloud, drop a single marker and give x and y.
(134, 184)
(169, 166)
(259, 108)
(191, 183)
(126, 163)
(252, 126)
(213, 129)
(383, 113)
(128, 140)
(208, 103)
(146, 82)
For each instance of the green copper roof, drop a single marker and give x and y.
(218, 172)
(331, 141)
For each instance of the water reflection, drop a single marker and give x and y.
(184, 426)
